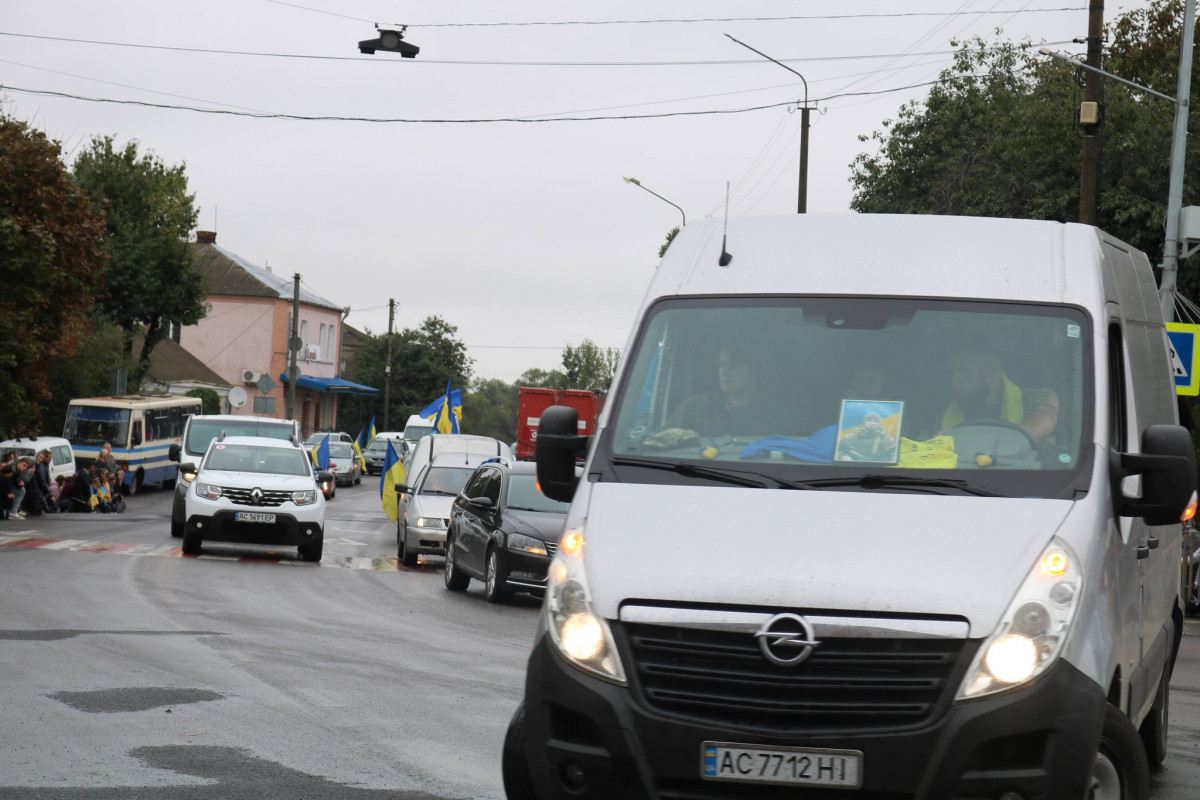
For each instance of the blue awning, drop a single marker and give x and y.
(332, 385)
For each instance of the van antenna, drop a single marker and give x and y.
(725, 256)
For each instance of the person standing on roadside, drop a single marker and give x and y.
(41, 476)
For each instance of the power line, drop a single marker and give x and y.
(359, 59)
(678, 21)
(476, 121)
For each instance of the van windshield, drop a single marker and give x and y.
(831, 390)
(201, 432)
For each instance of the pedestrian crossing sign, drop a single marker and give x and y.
(1185, 357)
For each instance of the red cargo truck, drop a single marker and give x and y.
(532, 402)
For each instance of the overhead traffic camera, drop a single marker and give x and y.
(389, 41)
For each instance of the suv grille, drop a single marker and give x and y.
(847, 684)
(241, 497)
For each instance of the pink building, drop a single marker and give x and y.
(244, 339)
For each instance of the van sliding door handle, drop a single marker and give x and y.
(1143, 551)
(1152, 542)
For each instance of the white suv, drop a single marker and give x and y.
(257, 490)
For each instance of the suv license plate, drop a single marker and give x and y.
(803, 766)
(253, 516)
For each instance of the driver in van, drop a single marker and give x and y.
(736, 409)
(983, 391)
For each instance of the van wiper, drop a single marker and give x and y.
(735, 476)
(876, 481)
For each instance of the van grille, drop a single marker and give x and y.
(846, 685)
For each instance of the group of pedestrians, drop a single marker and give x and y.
(27, 489)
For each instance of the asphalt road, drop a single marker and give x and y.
(130, 671)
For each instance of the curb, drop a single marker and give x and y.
(1191, 627)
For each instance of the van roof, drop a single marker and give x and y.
(885, 254)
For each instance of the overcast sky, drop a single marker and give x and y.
(520, 233)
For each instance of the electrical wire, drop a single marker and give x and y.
(882, 15)
(411, 62)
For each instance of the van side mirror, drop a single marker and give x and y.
(558, 445)
(1167, 465)
(173, 452)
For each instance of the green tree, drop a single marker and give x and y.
(148, 215)
(52, 263)
(423, 360)
(543, 379)
(490, 409)
(997, 137)
(210, 399)
(589, 367)
(670, 238)
(86, 373)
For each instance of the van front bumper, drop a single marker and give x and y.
(585, 738)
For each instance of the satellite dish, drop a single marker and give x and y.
(237, 397)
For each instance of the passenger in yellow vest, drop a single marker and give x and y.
(983, 391)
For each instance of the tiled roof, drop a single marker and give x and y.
(170, 363)
(229, 274)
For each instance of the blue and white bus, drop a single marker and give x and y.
(140, 429)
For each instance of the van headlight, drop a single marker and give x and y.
(1034, 628)
(581, 635)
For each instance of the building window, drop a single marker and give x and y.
(304, 331)
(264, 405)
(321, 337)
(329, 345)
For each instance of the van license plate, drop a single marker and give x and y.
(803, 766)
(253, 516)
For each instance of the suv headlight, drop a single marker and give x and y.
(208, 491)
(1034, 628)
(581, 635)
(305, 497)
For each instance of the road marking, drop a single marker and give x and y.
(374, 564)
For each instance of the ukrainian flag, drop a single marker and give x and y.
(393, 473)
(320, 454)
(372, 430)
(446, 411)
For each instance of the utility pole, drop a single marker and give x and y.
(387, 368)
(1183, 92)
(1091, 117)
(293, 372)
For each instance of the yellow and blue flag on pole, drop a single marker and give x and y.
(320, 454)
(372, 435)
(393, 473)
(358, 454)
(446, 411)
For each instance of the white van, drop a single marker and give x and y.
(62, 456)
(417, 427)
(473, 449)
(888, 504)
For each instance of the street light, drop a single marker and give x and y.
(1170, 260)
(802, 198)
(638, 183)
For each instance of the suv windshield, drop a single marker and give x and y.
(782, 391)
(256, 458)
